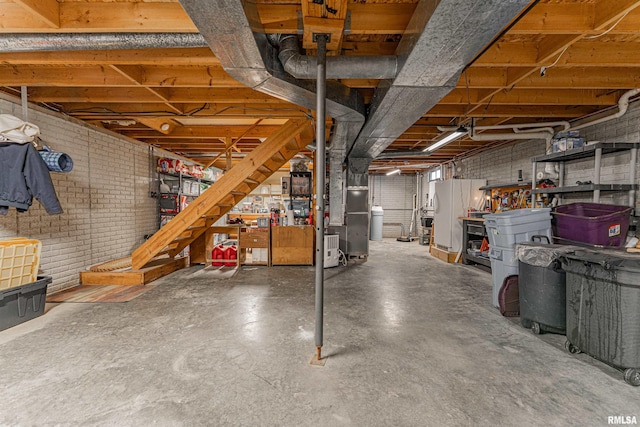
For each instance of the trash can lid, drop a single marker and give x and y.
(608, 259)
(540, 254)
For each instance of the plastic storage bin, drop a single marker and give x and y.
(593, 223)
(603, 301)
(542, 287)
(19, 262)
(508, 228)
(503, 264)
(22, 303)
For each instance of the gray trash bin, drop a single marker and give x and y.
(377, 215)
(603, 308)
(542, 286)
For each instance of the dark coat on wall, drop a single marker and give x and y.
(24, 176)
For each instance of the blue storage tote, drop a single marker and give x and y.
(508, 228)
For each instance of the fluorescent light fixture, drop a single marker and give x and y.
(447, 139)
(393, 172)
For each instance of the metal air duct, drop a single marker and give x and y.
(441, 39)
(48, 42)
(338, 67)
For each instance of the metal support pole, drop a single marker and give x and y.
(596, 175)
(320, 169)
(632, 178)
(25, 105)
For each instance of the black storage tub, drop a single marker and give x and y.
(22, 303)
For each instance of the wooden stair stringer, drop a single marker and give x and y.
(282, 141)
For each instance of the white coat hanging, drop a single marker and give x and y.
(13, 129)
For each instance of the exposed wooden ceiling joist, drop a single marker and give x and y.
(590, 48)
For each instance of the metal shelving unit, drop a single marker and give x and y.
(596, 151)
(178, 190)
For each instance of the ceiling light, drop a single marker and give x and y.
(393, 172)
(165, 127)
(447, 139)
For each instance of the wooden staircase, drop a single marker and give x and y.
(156, 257)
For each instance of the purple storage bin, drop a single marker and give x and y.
(593, 223)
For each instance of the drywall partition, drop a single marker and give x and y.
(106, 202)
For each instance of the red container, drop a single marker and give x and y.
(593, 223)
(218, 254)
(231, 256)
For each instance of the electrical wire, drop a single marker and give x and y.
(610, 28)
(342, 258)
(545, 68)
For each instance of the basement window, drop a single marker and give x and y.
(435, 174)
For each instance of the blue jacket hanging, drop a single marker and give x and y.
(23, 176)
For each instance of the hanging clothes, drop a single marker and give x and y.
(24, 176)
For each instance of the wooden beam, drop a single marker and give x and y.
(518, 96)
(366, 18)
(578, 18)
(108, 110)
(608, 12)
(186, 76)
(565, 112)
(166, 57)
(60, 75)
(195, 132)
(164, 126)
(558, 77)
(134, 73)
(46, 11)
(104, 17)
(561, 49)
(229, 144)
(151, 95)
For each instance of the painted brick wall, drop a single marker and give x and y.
(395, 195)
(501, 165)
(107, 208)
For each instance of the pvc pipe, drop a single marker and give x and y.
(536, 126)
(320, 170)
(623, 105)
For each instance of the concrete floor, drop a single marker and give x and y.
(411, 341)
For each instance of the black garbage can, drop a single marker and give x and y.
(603, 308)
(542, 286)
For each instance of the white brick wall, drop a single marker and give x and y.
(395, 195)
(107, 208)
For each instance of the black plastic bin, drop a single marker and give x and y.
(603, 308)
(22, 303)
(542, 287)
